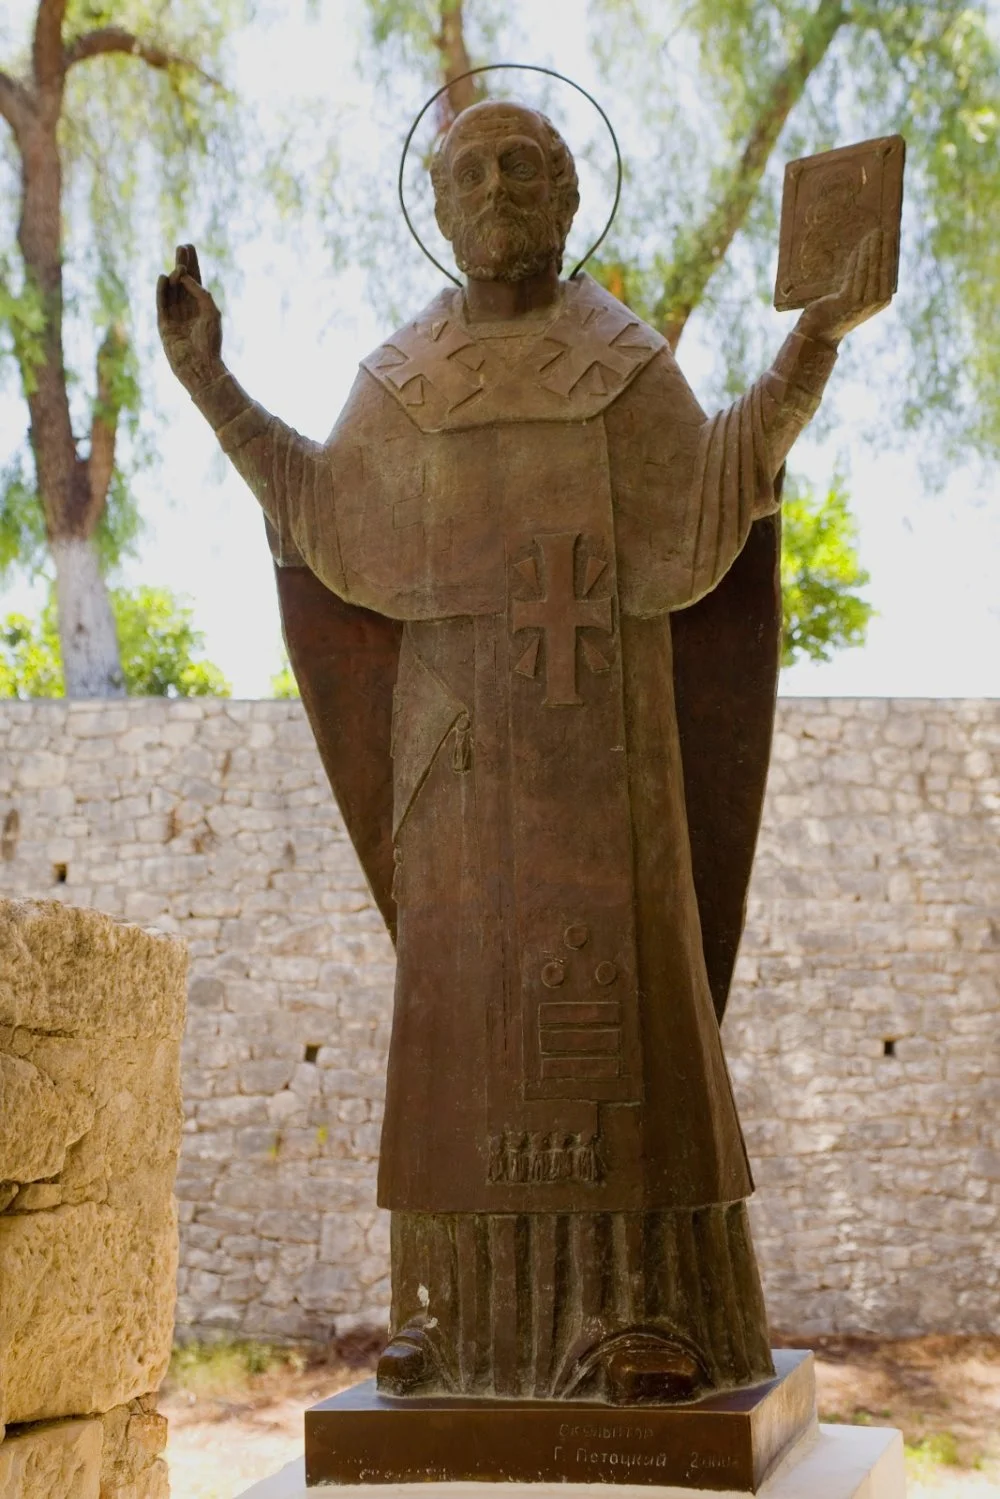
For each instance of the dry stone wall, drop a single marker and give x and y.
(863, 1034)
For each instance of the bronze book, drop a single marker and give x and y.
(831, 201)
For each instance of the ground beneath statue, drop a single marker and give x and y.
(236, 1415)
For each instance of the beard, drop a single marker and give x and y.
(506, 243)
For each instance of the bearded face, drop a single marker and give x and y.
(494, 195)
(505, 242)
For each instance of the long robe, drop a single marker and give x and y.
(532, 502)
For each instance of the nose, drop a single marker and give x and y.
(494, 180)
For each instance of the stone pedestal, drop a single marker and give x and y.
(831, 1462)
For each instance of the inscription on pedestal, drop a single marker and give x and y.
(722, 1442)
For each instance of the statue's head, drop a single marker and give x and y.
(505, 192)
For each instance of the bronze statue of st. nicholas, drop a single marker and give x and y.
(530, 594)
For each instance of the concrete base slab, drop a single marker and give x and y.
(834, 1462)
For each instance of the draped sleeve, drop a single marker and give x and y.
(732, 486)
(689, 487)
(740, 452)
(293, 478)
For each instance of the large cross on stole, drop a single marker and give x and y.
(559, 614)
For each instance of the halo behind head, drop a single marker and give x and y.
(519, 67)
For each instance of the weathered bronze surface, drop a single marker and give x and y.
(530, 594)
(731, 1441)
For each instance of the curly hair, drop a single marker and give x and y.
(559, 158)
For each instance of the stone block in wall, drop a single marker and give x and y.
(114, 1456)
(52, 1462)
(91, 1015)
(132, 1463)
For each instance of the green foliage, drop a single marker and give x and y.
(22, 322)
(29, 657)
(159, 645)
(120, 525)
(160, 650)
(412, 22)
(226, 1368)
(405, 33)
(950, 67)
(926, 1457)
(693, 80)
(283, 683)
(23, 543)
(820, 574)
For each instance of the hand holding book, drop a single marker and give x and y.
(839, 246)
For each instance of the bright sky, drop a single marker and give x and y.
(934, 557)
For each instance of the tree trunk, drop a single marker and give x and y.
(71, 496)
(455, 61)
(87, 635)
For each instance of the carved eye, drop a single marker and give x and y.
(523, 171)
(470, 176)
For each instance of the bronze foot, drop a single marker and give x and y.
(639, 1367)
(647, 1370)
(405, 1366)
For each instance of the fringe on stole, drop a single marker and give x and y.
(543, 1157)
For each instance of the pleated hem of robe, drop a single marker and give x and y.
(519, 1305)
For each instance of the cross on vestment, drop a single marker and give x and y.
(596, 351)
(451, 363)
(559, 613)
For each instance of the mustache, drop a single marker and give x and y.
(508, 212)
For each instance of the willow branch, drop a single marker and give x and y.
(107, 40)
(455, 60)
